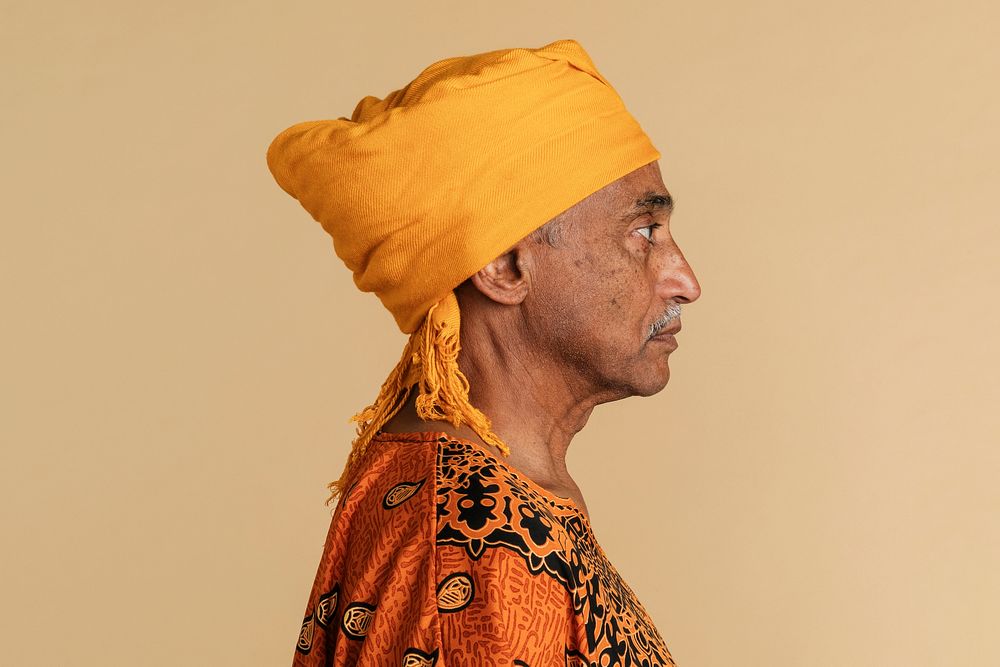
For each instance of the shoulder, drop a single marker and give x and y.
(375, 586)
(389, 506)
(394, 468)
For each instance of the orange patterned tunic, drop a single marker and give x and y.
(441, 555)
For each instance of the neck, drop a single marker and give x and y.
(534, 406)
(536, 402)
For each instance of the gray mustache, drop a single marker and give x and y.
(672, 313)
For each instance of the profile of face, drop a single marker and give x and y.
(605, 297)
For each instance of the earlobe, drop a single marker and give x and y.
(505, 279)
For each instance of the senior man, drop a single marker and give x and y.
(511, 215)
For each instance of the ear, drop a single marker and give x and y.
(507, 278)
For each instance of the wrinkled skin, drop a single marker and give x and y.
(549, 332)
(595, 295)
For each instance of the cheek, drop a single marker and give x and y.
(621, 285)
(595, 292)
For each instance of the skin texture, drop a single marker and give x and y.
(551, 331)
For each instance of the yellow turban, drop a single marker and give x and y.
(423, 188)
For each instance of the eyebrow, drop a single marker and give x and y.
(648, 203)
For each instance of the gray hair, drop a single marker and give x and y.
(551, 232)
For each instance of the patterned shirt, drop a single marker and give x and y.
(439, 554)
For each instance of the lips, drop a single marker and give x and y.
(671, 330)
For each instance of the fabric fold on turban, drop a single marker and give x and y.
(421, 189)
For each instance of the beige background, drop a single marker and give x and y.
(181, 349)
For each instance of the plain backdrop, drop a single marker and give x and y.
(181, 350)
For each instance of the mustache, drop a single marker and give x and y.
(672, 312)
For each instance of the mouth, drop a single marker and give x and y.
(664, 340)
(667, 332)
(667, 324)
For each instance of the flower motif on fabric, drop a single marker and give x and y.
(455, 592)
(357, 619)
(327, 607)
(400, 493)
(417, 658)
(304, 644)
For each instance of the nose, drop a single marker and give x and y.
(675, 277)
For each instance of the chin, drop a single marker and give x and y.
(652, 384)
(652, 390)
(637, 376)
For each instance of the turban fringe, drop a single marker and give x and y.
(430, 360)
(421, 189)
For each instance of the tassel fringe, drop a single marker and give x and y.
(430, 359)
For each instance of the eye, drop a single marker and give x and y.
(647, 231)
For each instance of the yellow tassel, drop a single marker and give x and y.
(430, 359)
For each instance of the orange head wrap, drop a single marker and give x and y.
(422, 189)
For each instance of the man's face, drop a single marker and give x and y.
(614, 277)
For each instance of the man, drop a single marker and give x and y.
(511, 215)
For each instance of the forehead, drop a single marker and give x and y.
(640, 191)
